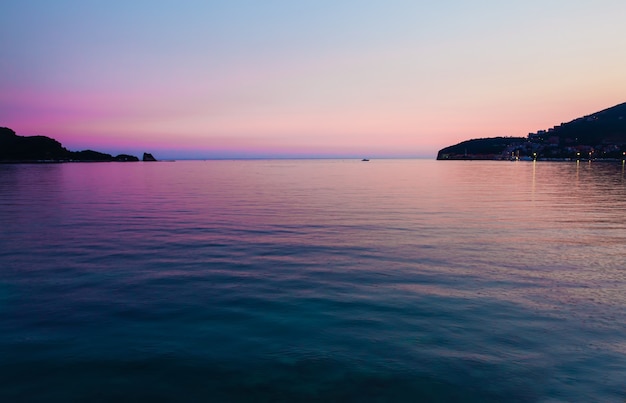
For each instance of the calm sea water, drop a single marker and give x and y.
(318, 280)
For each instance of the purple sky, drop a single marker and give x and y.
(207, 79)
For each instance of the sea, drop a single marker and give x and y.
(313, 281)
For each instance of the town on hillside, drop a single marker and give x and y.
(598, 136)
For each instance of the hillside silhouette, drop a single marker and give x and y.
(599, 135)
(14, 148)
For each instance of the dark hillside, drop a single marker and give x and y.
(600, 135)
(606, 126)
(486, 148)
(14, 148)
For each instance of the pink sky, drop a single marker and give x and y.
(246, 79)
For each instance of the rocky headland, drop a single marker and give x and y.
(15, 149)
(597, 136)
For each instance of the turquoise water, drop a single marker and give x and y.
(313, 280)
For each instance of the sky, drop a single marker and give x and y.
(307, 78)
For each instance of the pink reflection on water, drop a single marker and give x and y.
(548, 236)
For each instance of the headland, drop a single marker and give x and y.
(34, 149)
(597, 136)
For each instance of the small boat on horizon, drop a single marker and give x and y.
(364, 159)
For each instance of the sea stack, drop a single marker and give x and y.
(148, 157)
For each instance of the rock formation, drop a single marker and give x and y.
(148, 157)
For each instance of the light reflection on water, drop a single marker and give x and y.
(321, 280)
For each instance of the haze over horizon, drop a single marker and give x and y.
(207, 79)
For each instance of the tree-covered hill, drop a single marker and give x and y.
(14, 148)
(598, 135)
(486, 148)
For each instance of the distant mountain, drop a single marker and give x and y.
(595, 136)
(14, 148)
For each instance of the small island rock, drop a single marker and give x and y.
(148, 157)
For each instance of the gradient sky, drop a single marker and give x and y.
(306, 78)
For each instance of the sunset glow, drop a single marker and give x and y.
(211, 79)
